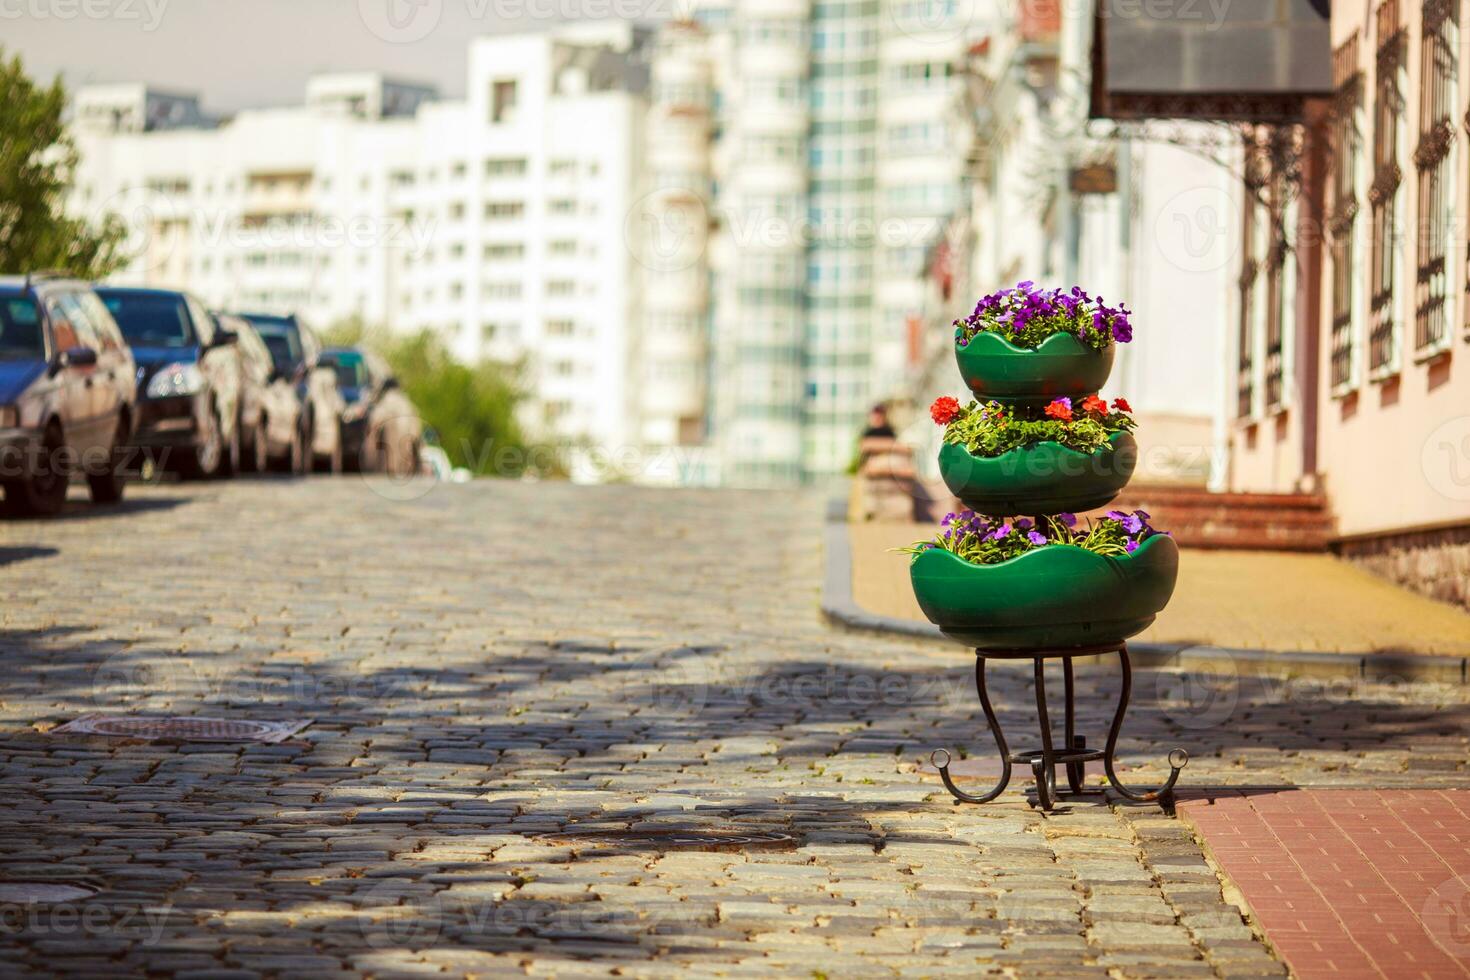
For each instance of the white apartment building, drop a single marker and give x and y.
(498, 221)
(811, 153)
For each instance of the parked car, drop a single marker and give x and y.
(67, 394)
(381, 431)
(270, 407)
(188, 379)
(297, 352)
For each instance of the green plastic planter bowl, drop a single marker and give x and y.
(1046, 478)
(1062, 365)
(1055, 596)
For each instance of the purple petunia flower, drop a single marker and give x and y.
(1023, 524)
(1130, 546)
(1132, 524)
(1036, 537)
(1116, 515)
(1067, 520)
(1144, 514)
(1000, 532)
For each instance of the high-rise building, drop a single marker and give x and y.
(831, 162)
(497, 220)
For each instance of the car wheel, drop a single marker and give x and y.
(205, 458)
(107, 488)
(333, 462)
(260, 449)
(41, 494)
(381, 460)
(400, 459)
(230, 458)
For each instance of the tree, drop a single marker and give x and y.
(471, 407)
(37, 160)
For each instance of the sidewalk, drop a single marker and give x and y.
(1252, 600)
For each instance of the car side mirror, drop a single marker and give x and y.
(77, 357)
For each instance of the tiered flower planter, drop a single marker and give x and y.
(1056, 601)
(1054, 597)
(1061, 367)
(1045, 478)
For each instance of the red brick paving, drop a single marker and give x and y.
(1349, 883)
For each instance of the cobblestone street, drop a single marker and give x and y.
(496, 662)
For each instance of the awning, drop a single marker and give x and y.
(1249, 60)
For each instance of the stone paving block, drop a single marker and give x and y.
(460, 713)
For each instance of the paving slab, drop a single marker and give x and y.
(1348, 882)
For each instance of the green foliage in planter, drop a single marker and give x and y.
(994, 429)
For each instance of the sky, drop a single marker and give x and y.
(246, 53)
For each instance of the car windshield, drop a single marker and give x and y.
(283, 353)
(351, 372)
(280, 337)
(150, 319)
(20, 330)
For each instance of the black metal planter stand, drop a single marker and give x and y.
(1074, 753)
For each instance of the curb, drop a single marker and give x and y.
(839, 609)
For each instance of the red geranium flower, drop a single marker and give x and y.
(1092, 403)
(1121, 404)
(1060, 409)
(944, 410)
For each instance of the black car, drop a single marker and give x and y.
(381, 430)
(67, 394)
(270, 406)
(188, 379)
(297, 354)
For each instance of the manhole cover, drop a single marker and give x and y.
(182, 729)
(668, 840)
(41, 892)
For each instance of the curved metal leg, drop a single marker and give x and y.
(1046, 785)
(1000, 743)
(1044, 769)
(1178, 758)
(1076, 771)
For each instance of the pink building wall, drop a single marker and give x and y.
(1392, 447)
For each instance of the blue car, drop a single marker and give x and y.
(67, 394)
(189, 379)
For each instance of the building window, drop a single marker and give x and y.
(503, 100)
(501, 332)
(1266, 282)
(1432, 158)
(504, 250)
(1276, 293)
(503, 210)
(1383, 195)
(1342, 224)
(502, 290)
(505, 167)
